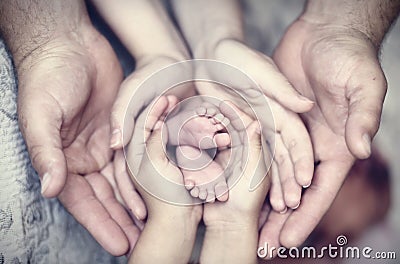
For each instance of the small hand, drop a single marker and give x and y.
(247, 167)
(234, 223)
(171, 210)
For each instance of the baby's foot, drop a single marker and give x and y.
(203, 177)
(198, 128)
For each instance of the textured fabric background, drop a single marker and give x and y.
(32, 229)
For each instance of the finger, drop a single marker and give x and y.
(143, 131)
(127, 107)
(104, 193)
(158, 108)
(275, 194)
(297, 141)
(40, 122)
(366, 91)
(264, 72)
(255, 149)
(131, 197)
(79, 199)
(316, 200)
(154, 146)
(237, 118)
(291, 190)
(270, 233)
(137, 92)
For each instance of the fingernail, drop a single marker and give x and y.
(136, 215)
(303, 98)
(158, 125)
(306, 186)
(297, 206)
(258, 130)
(283, 211)
(115, 138)
(45, 182)
(367, 144)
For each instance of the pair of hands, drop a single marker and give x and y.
(64, 118)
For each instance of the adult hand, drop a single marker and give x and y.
(338, 68)
(66, 90)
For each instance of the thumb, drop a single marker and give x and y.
(366, 93)
(255, 154)
(155, 145)
(40, 125)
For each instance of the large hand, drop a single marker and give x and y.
(66, 90)
(339, 69)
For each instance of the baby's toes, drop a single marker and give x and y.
(201, 111)
(211, 111)
(210, 196)
(221, 191)
(222, 140)
(195, 192)
(189, 184)
(203, 193)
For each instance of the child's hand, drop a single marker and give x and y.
(170, 230)
(232, 227)
(158, 180)
(247, 174)
(124, 107)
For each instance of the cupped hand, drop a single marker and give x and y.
(248, 167)
(338, 68)
(124, 112)
(173, 215)
(285, 132)
(158, 180)
(66, 91)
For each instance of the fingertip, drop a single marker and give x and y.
(118, 249)
(278, 204)
(289, 240)
(140, 213)
(306, 104)
(304, 174)
(54, 178)
(359, 146)
(116, 139)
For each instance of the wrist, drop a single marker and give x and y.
(231, 223)
(205, 47)
(173, 215)
(28, 27)
(372, 19)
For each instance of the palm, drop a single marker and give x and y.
(64, 102)
(85, 109)
(328, 70)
